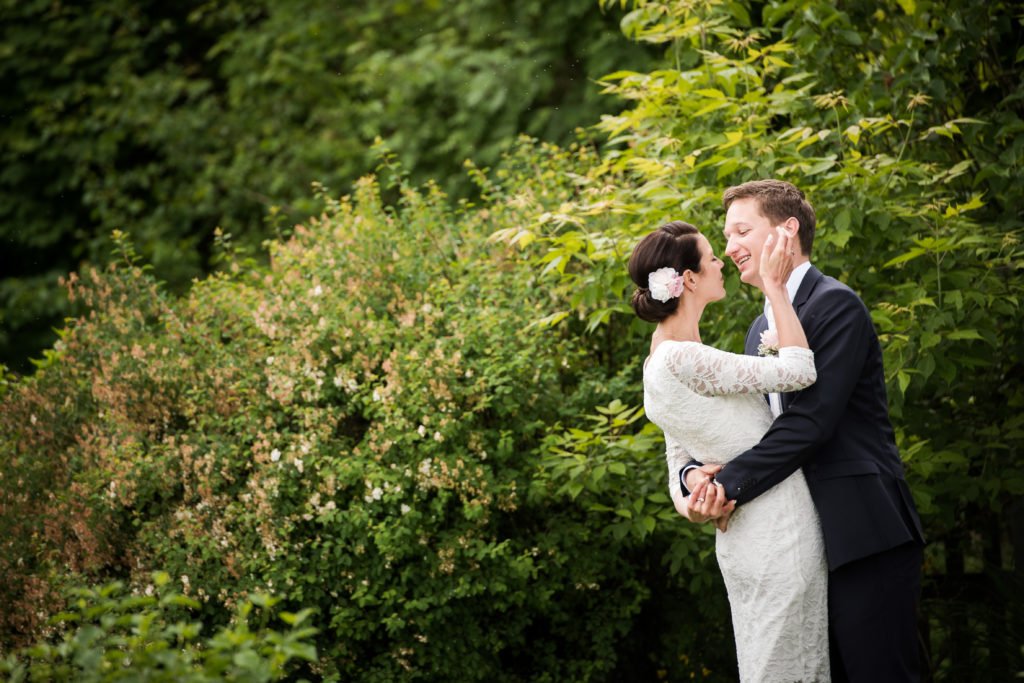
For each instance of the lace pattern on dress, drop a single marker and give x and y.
(772, 558)
(710, 372)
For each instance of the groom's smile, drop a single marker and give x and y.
(745, 232)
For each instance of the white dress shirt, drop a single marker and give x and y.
(792, 285)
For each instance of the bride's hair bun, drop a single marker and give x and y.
(673, 245)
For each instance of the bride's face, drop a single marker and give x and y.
(710, 282)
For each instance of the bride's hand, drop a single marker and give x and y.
(722, 523)
(777, 258)
(707, 502)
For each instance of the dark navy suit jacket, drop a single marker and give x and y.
(837, 430)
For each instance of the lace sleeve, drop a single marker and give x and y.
(675, 457)
(710, 372)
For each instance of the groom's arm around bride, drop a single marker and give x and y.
(838, 430)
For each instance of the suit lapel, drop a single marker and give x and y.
(810, 281)
(803, 294)
(759, 325)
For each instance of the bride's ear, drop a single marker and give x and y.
(689, 281)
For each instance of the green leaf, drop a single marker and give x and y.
(843, 219)
(974, 203)
(733, 137)
(961, 334)
(840, 238)
(821, 166)
(904, 381)
(903, 258)
(929, 339)
(713, 93)
(247, 660)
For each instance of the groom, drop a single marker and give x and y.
(838, 431)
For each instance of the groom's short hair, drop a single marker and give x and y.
(778, 201)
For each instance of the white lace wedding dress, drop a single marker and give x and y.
(711, 407)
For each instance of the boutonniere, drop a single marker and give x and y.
(769, 345)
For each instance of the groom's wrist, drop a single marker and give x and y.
(729, 494)
(682, 478)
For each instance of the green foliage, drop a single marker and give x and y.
(611, 462)
(174, 120)
(110, 635)
(356, 429)
(421, 419)
(902, 122)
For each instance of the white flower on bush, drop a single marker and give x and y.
(373, 492)
(405, 509)
(275, 455)
(421, 430)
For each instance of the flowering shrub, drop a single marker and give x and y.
(360, 429)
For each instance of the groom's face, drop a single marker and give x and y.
(745, 232)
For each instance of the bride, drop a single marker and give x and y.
(711, 407)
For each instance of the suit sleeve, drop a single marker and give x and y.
(840, 332)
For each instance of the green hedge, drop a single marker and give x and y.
(107, 634)
(361, 430)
